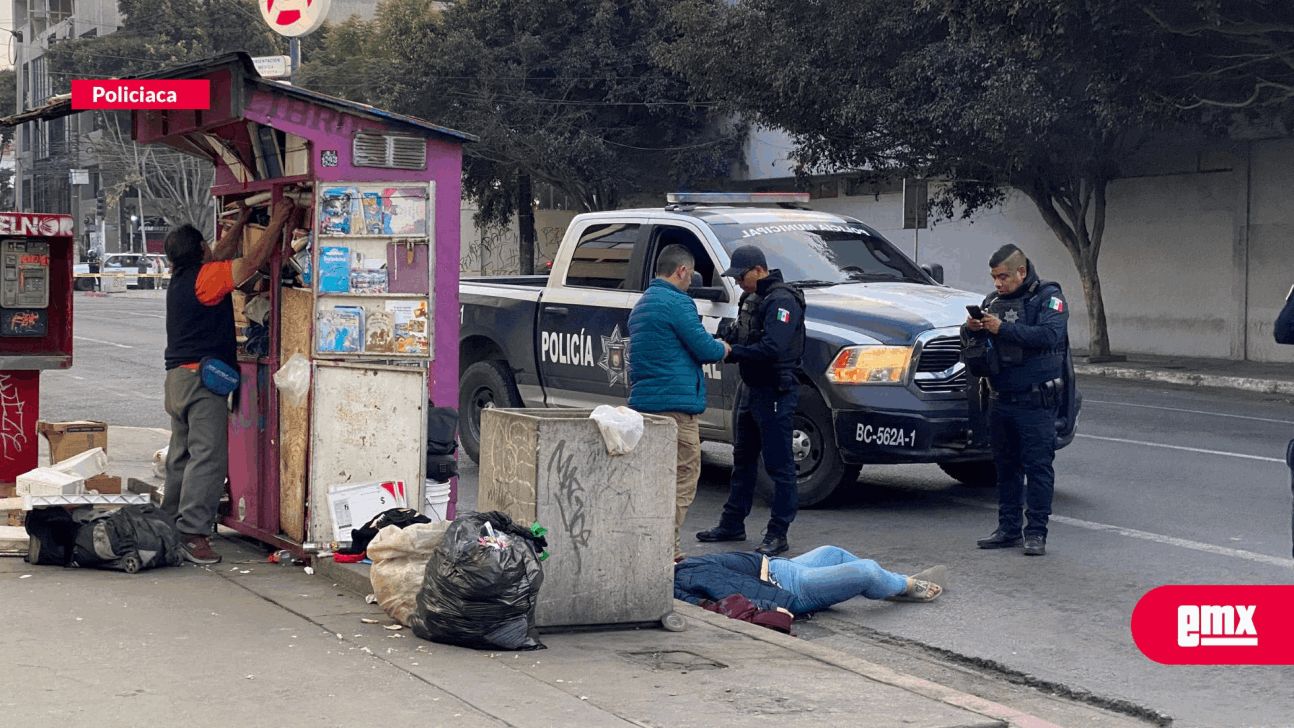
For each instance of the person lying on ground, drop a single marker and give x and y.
(807, 583)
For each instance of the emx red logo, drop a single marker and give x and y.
(1216, 625)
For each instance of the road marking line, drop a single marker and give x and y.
(1190, 411)
(1181, 447)
(97, 341)
(1147, 536)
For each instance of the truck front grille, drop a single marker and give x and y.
(939, 367)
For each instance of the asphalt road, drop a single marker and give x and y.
(1164, 485)
(117, 372)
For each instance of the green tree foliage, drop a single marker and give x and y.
(158, 33)
(565, 91)
(1046, 97)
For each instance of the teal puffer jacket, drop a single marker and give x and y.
(667, 346)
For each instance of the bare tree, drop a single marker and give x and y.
(174, 185)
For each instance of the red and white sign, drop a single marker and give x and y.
(1216, 625)
(115, 94)
(294, 17)
(38, 226)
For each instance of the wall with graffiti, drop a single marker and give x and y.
(494, 250)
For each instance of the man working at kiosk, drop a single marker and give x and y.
(200, 329)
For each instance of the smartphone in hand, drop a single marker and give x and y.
(975, 312)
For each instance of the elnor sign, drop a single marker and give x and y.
(294, 17)
(17, 223)
(273, 66)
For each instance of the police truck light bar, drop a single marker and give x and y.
(731, 198)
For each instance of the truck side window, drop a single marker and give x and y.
(667, 235)
(601, 257)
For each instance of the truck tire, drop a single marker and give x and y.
(980, 473)
(818, 467)
(483, 385)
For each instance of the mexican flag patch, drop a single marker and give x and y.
(783, 315)
(1056, 304)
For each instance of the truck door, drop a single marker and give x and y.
(720, 378)
(583, 326)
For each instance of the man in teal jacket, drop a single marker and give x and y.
(667, 346)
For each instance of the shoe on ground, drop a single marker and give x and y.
(999, 539)
(719, 533)
(918, 590)
(197, 549)
(773, 545)
(937, 575)
(1035, 545)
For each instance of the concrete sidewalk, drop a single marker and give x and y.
(249, 643)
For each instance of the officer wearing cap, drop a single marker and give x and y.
(767, 344)
(1027, 319)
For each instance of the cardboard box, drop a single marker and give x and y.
(105, 484)
(73, 438)
(355, 504)
(14, 518)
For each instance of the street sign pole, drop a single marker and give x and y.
(294, 51)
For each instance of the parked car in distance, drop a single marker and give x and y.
(154, 263)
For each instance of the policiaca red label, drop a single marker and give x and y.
(1216, 625)
(155, 94)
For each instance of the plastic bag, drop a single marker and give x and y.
(481, 586)
(293, 380)
(159, 462)
(400, 557)
(621, 428)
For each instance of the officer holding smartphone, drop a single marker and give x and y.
(1027, 322)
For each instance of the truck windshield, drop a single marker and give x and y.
(824, 253)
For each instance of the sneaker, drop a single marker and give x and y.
(719, 533)
(999, 539)
(1035, 545)
(773, 545)
(197, 549)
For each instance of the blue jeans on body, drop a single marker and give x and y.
(764, 425)
(829, 575)
(1023, 436)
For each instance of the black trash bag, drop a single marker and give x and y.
(360, 538)
(53, 535)
(442, 427)
(129, 538)
(479, 596)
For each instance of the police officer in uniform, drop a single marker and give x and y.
(1026, 319)
(767, 344)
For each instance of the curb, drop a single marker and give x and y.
(869, 670)
(1252, 384)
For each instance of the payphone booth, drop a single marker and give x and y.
(35, 326)
(365, 290)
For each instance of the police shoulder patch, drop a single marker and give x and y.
(1056, 304)
(783, 315)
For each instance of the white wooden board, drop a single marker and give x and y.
(368, 423)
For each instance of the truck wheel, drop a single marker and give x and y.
(818, 467)
(980, 474)
(485, 384)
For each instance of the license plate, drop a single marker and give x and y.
(886, 436)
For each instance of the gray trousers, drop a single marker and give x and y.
(197, 462)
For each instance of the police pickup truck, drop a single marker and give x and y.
(881, 381)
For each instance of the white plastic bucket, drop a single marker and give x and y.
(436, 496)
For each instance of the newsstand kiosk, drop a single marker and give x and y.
(366, 290)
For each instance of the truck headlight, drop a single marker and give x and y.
(870, 365)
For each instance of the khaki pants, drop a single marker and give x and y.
(689, 470)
